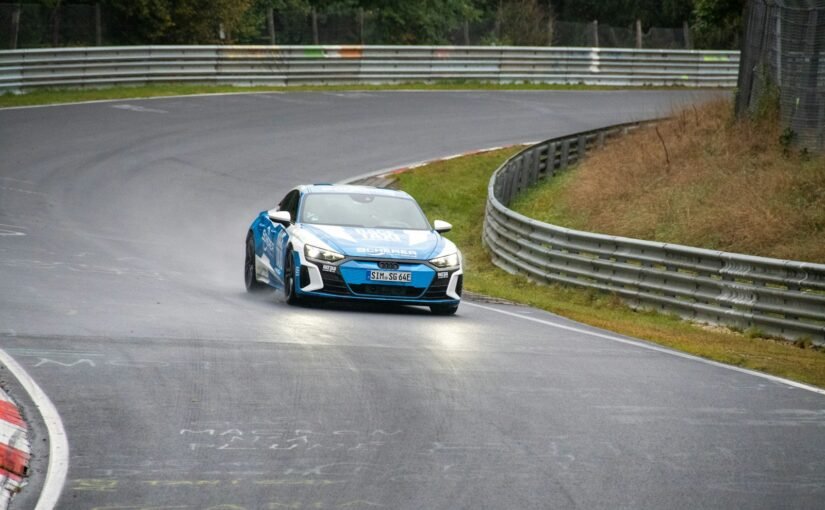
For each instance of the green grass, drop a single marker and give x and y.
(456, 191)
(59, 96)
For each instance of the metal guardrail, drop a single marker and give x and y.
(780, 297)
(293, 65)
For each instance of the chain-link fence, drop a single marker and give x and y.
(29, 25)
(34, 26)
(783, 58)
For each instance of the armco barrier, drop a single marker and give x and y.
(780, 297)
(293, 65)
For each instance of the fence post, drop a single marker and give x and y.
(639, 34)
(595, 33)
(744, 82)
(686, 32)
(98, 27)
(361, 25)
(779, 47)
(55, 26)
(270, 24)
(314, 26)
(15, 26)
(807, 126)
(466, 33)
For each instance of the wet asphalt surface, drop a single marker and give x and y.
(121, 251)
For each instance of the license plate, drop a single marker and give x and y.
(390, 276)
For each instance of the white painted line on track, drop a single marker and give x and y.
(419, 164)
(58, 442)
(287, 91)
(96, 101)
(650, 347)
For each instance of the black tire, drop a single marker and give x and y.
(250, 280)
(290, 296)
(444, 309)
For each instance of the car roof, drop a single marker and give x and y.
(347, 188)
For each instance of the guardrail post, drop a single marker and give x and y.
(582, 148)
(535, 168)
(565, 153)
(551, 164)
(524, 171)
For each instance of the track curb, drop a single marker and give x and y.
(15, 450)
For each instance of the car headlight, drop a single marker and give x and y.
(321, 255)
(446, 261)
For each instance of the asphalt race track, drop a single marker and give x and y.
(121, 293)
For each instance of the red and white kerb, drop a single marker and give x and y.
(14, 449)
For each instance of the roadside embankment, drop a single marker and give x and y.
(699, 179)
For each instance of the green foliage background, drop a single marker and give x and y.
(715, 23)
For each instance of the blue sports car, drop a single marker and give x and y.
(356, 243)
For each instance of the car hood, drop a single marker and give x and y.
(379, 242)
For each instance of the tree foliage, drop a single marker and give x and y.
(521, 22)
(717, 23)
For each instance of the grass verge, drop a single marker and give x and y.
(703, 179)
(61, 96)
(456, 191)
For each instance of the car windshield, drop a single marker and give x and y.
(363, 210)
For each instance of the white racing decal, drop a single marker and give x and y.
(371, 234)
(377, 252)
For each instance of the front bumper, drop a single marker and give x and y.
(349, 279)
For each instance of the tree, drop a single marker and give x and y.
(418, 22)
(176, 21)
(717, 24)
(523, 23)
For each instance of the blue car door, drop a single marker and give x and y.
(269, 234)
(279, 236)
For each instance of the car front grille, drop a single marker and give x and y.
(333, 283)
(438, 290)
(373, 289)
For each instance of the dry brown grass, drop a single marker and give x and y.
(729, 186)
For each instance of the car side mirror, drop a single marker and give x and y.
(442, 226)
(282, 217)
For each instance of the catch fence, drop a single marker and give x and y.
(783, 58)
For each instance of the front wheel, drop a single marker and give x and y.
(249, 276)
(444, 309)
(290, 296)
